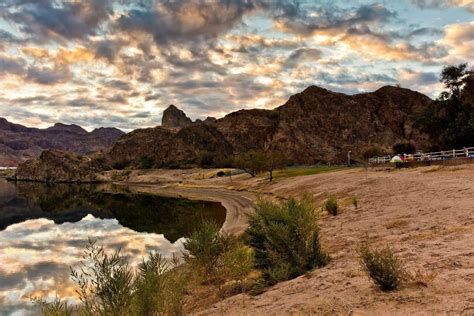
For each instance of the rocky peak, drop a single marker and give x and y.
(175, 118)
(107, 132)
(7, 126)
(210, 120)
(73, 128)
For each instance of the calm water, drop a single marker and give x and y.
(43, 231)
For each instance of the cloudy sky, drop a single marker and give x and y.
(121, 62)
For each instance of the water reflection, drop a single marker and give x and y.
(43, 231)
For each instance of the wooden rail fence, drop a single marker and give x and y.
(432, 156)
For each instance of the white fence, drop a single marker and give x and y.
(433, 156)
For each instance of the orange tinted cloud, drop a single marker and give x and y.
(64, 56)
(460, 37)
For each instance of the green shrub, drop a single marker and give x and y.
(145, 162)
(120, 165)
(219, 259)
(382, 267)
(278, 273)
(159, 287)
(107, 285)
(105, 282)
(54, 308)
(331, 206)
(285, 237)
(205, 248)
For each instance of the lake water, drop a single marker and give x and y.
(44, 229)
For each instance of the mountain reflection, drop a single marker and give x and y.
(44, 229)
(172, 217)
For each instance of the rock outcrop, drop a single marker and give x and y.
(175, 118)
(19, 143)
(314, 126)
(58, 166)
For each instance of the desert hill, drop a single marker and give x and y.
(314, 126)
(19, 143)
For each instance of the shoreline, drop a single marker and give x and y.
(237, 205)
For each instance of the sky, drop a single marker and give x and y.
(120, 63)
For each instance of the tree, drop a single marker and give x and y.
(449, 120)
(273, 160)
(453, 78)
(404, 148)
(254, 162)
(251, 162)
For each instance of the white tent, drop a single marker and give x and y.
(396, 159)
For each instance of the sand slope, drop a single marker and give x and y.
(425, 214)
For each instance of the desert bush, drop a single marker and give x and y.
(107, 285)
(105, 282)
(145, 162)
(159, 287)
(120, 165)
(219, 259)
(206, 247)
(57, 307)
(382, 267)
(331, 206)
(285, 236)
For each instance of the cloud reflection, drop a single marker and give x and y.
(36, 254)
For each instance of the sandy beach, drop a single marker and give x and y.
(425, 214)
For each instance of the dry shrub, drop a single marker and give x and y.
(382, 267)
(332, 206)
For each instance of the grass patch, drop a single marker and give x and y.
(304, 171)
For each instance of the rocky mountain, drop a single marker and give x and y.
(19, 143)
(314, 126)
(175, 118)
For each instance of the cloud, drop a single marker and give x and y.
(48, 76)
(302, 55)
(439, 4)
(44, 20)
(180, 21)
(108, 49)
(10, 65)
(333, 18)
(460, 38)
(117, 84)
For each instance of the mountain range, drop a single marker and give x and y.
(314, 126)
(19, 143)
